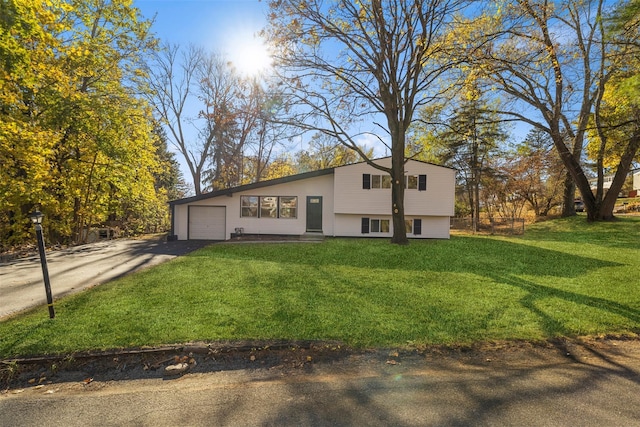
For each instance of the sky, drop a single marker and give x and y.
(223, 26)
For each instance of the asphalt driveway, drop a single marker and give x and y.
(80, 267)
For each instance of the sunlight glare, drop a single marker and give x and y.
(250, 57)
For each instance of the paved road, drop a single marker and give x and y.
(80, 267)
(591, 386)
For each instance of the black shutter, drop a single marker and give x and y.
(366, 181)
(422, 182)
(365, 225)
(417, 226)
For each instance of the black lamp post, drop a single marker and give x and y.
(36, 219)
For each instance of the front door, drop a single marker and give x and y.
(314, 213)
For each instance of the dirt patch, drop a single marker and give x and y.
(299, 357)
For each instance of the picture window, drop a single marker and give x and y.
(268, 206)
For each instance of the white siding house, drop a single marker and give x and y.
(352, 200)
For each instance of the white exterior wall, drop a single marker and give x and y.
(317, 186)
(181, 221)
(437, 200)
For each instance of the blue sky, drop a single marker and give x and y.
(224, 26)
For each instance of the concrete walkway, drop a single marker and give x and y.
(80, 267)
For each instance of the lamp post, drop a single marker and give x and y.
(36, 219)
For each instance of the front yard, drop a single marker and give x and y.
(562, 278)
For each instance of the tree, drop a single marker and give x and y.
(323, 153)
(269, 132)
(27, 32)
(344, 61)
(471, 137)
(172, 78)
(557, 59)
(463, 132)
(76, 139)
(538, 173)
(213, 115)
(168, 176)
(614, 136)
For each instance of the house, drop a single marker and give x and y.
(351, 201)
(607, 180)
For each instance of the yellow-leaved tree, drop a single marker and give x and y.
(77, 140)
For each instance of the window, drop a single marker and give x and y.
(375, 181)
(249, 206)
(408, 225)
(416, 182)
(269, 207)
(288, 207)
(412, 182)
(413, 226)
(375, 225)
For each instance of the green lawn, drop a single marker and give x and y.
(562, 278)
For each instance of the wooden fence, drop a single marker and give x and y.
(495, 226)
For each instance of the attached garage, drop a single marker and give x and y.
(207, 223)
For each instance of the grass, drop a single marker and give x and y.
(562, 278)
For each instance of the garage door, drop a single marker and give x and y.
(207, 222)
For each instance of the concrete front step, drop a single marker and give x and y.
(312, 237)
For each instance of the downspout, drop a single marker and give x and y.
(172, 234)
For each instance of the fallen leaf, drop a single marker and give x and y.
(32, 381)
(88, 380)
(391, 362)
(252, 358)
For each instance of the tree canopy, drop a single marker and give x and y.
(75, 138)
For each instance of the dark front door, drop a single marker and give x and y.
(314, 213)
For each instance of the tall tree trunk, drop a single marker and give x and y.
(605, 211)
(397, 194)
(568, 207)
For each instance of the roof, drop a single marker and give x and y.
(283, 180)
(260, 184)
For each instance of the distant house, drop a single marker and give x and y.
(352, 200)
(608, 179)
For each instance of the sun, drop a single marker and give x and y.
(250, 57)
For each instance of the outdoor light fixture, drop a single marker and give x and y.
(36, 219)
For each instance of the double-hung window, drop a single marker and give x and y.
(374, 225)
(249, 206)
(416, 182)
(370, 181)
